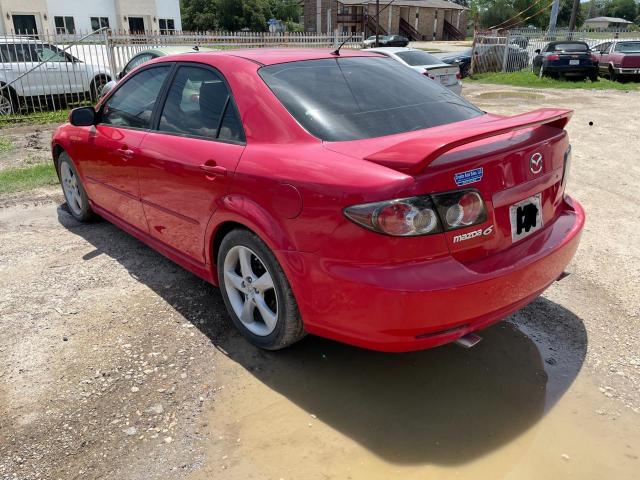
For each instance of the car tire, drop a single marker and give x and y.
(8, 101)
(74, 193)
(593, 77)
(97, 84)
(256, 292)
(613, 76)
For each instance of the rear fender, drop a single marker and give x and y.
(244, 211)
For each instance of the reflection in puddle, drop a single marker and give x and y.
(444, 407)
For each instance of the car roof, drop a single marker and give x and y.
(565, 42)
(272, 56)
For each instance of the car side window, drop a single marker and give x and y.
(132, 104)
(199, 104)
(607, 49)
(17, 52)
(135, 61)
(47, 53)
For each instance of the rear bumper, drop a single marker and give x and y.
(456, 88)
(571, 70)
(627, 71)
(413, 306)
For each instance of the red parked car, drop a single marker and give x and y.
(618, 59)
(321, 201)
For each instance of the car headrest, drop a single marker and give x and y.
(213, 96)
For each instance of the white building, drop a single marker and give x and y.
(604, 23)
(84, 16)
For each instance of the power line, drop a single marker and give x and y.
(516, 15)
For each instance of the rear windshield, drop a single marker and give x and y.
(575, 47)
(628, 47)
(418, 58)
(355, 98)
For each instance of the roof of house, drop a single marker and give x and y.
(409, 3)
(607, 19)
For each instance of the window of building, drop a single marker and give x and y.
(167, 26)
(99, 22)
(64, 25)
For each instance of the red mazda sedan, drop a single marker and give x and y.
(335, 194)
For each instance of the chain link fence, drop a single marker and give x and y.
(50, 72)
(515, 50)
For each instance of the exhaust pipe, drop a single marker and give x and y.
(469, 340)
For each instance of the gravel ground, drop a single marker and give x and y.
(25, 145)
(115, 363)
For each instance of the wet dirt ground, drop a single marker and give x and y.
(117, 364)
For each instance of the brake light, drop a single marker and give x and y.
(553, 57)
(423, 215)
(426, 74)
(458, 76)
(460, 209)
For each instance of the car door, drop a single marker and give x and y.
(602, 56)
(60, 74)
(189, 160)
(109, 159)
(29, 78)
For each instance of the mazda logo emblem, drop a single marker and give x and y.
(535, 163)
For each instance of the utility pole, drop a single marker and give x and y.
(553, 20)
(574, 15)
(377, 21)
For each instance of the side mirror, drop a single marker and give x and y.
(82, 117)
(120, 75)
(537, 50)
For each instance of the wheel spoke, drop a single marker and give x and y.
(267, 315)
(264, 282)
(246, 316)
(77, 198)
(234, 279)
(244, 255)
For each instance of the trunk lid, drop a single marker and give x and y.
(630, 60)
(491, 154)
(446, 75)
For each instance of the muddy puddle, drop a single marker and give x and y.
(515, 406)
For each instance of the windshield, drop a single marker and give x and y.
(418, 57)
(574, 47)
(354, 98)
(628, 47)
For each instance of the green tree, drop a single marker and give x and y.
(199, 15)
(626, 9)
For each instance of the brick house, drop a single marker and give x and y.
(415, 19)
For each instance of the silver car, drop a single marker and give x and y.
(425, 63)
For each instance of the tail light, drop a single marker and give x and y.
(458, 76)
(423, 215)
(553, 57)
(426, 74)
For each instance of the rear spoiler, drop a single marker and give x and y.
(416, 154)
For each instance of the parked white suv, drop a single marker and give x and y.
(33, 71)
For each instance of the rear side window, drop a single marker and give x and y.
(199, 104)
(418, 58)
(132, 104)
(135, 61)
(628, 47)
(346, 98)
(570, 47)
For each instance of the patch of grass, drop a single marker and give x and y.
(38, 118)
(525, 78)
(27, 178)
(5, 145)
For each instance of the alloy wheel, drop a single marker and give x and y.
(71, 188)
(6, 108)
(251, 290)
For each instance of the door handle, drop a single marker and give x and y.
(215, 170)
(125, 152)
